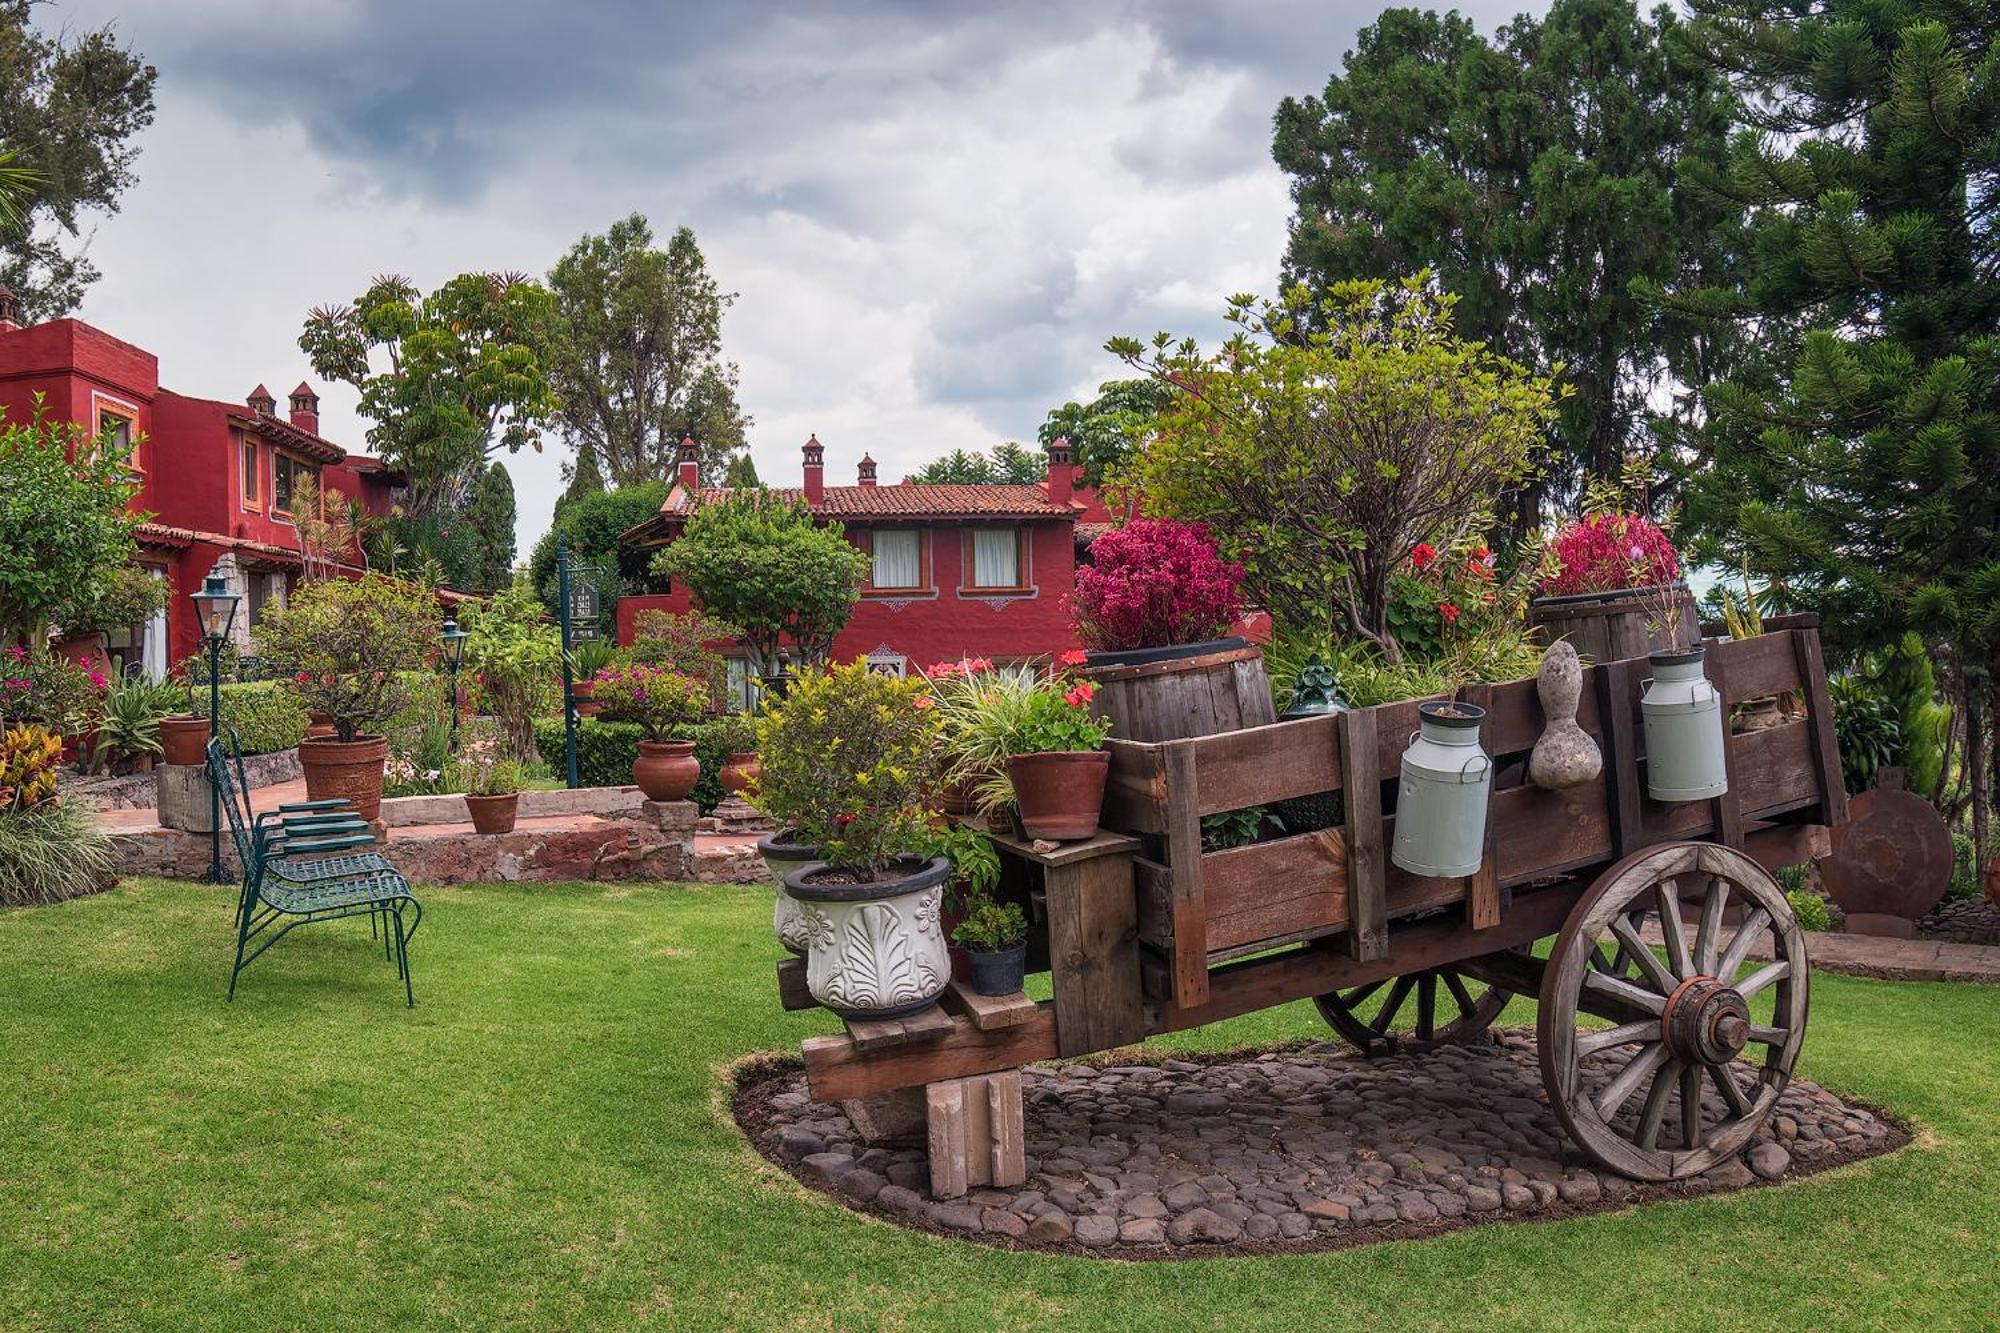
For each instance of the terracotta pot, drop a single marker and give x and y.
(346, 770)
(584, 692)
(666, 770)
(1060, 794)
(1993, 880)
(493, 814)
(185, 739)
(738, 771)
(320, 726)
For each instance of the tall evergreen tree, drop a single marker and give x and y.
(1534, 174)
(1007, 463)
(491, 517)
(742, 473)
(1858, 458)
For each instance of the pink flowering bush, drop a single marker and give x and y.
(657, 699)
(1154, 583)
(1606, 552)
(40, 687)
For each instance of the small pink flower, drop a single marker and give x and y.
(922, 702)
(1074, 657)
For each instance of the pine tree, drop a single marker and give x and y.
(491, 517)
(1856, 458)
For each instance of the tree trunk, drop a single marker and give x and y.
(1978, 760)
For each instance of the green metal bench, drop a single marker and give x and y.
(302, 863)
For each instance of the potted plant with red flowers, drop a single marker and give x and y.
(1051, 746)
(354, 650)
(1154, 607)
(659, 700)
(849, 761)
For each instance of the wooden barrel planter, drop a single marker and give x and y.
(1171, 694)
(1611, 626)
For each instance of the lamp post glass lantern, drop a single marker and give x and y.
(454, 656)
(215, 612)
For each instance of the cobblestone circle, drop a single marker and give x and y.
(1302, 1148)
(1963, 921)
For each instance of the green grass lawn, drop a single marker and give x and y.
(543, 1143)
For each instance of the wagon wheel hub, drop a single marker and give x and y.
(1706, 1021)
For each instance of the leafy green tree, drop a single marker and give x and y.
(517, 654)
(1535, 173)
(490, 517)
(593, 524)
(638, 354)
(1104, 433)
(1008, 463)
(742, 473)
(1332, 435)
(71, 105)
(1857, 460)
(462, 374)
(761, 563)
(65, 522)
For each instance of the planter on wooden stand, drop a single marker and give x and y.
(1612, 626)
(346, 770)
(1191, 689)
(874, 950)
(493, 814)
(666, 770)
(183, 739)
(1060, 793)
(782, 856)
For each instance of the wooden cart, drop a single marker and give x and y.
(1657, 1067)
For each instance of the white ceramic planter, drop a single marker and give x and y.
(875, 950)
(1441, 801)
(781, 858)
(1681, 712)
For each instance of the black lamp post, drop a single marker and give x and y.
(215, 606)
(454, 655)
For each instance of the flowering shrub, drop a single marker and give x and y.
(1154, 583)
(1608, 551)
(348, 646)
(657, 699)
(40, 687)
(850, 762)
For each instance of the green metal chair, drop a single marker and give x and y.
(304, 868)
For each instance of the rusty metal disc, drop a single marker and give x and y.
(1892, 857)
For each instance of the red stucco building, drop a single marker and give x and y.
(217, 477)
(974, 571)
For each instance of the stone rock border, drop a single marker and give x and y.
(1963, 921)
(1283, 1150)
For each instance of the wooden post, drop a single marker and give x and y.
(1729, 805)
(1094, 952)
(975, 1133)
(1819, 707)
(1190, 962)
(1367, 869)
(1621, 755)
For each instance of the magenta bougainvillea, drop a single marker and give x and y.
(1154, 583)
(1609, 551)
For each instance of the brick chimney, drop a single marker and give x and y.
(261, 402)
(690, 465)
(305, 408)
(866, 472)
(1062, 477)
(815, 455)
(10, 309)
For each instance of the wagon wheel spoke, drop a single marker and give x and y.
(1459, 995)
(1387, 1013)
(1427, 994)
(1678, 1024)
(1428, 1022)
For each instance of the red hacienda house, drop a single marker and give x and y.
(217, 478)
(955, 570)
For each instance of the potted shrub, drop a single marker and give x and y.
(491, 780)
(1154, 608)
(995, 935)
(979, 710)
(1056, 764)
(352, 649)
(128, 727)
(736, 736)
(849, 760)
(183, 731)
(975, 873)
(1613, 572)
(586, 660)
(658, 700)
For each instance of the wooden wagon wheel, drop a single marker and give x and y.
(1680, 1024)
(1450, 1007)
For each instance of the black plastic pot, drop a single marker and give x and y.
(999, 973)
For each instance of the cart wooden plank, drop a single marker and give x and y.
(837, 1069)
(1184, 850)
(1825, 748)
(1094, 954)
(1367, 855)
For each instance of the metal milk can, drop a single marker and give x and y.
(1441, 803)
(1682, 713)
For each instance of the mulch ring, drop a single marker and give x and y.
(1287, 1149)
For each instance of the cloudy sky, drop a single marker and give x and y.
(934, 214)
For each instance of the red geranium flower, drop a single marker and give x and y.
(1423, 554)
(1449, 612)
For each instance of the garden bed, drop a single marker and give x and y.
(1301, 1147)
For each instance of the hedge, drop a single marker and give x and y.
(605, 751)
(264, 714)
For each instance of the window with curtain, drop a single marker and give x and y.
(996, 558)
(898, 558)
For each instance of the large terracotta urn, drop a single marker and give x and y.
(739, 770)
(346, 770)
(666, 770)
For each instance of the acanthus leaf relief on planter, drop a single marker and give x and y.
(874, 950)
(1681, 712)
(782, 857)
